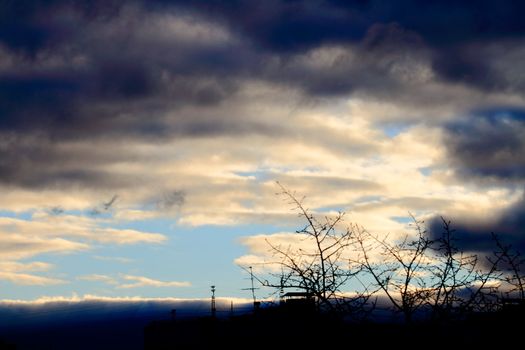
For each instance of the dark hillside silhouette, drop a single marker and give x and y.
(280, 328)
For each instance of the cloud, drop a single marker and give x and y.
(19, 246)
(258, 244)
(64, 234)
(489, 144)
(31, 266)
(459, 37)
(284, 26)
(16, 273)
(70, 226)
(113, 258)
(104, 207)
(98, 278)
(136, 281)
(169, 200)
(475, 233)
(25, 279)
(84, 85)
(61, 163)
(263, 258)
(190, 112)
(140, 281)
(57, 300)
(382, 40)
(493, 66)
(126, 236)
(195, 72)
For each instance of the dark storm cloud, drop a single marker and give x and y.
(25, 25)
(85, 70)
(298, 25)
(113, 55)
(90, 70)
(382, 63)
(277, 27)
(81, 71)
(475, 236)
(39, 162)
(447, 27)
(489, 144)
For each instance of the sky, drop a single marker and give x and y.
(141, 141)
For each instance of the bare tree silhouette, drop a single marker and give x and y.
(510, 263)
(319, 265)
(460, 280)
(417, 272)
(414, 272)
(401, 271)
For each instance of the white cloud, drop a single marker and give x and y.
(263, 255)
(114, 258)
(25, 279)
(16, 273)
(126, 236)
(121, 299)
(63, 234)
(44, 225)
(15, 246)
(12, 266)
(140, 281)
(98, 278)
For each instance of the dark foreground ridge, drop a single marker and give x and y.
(92, 324)
(282, 328)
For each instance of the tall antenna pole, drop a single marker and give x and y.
(213, 309)
(253, 289)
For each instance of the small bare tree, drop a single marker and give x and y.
(460, 282)
(317, 265)
(510, 264)
(418, 272)
(415, 272)
(399, 268)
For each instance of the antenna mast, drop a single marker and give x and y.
(252, 277)
(252, 289)
(213, 309)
